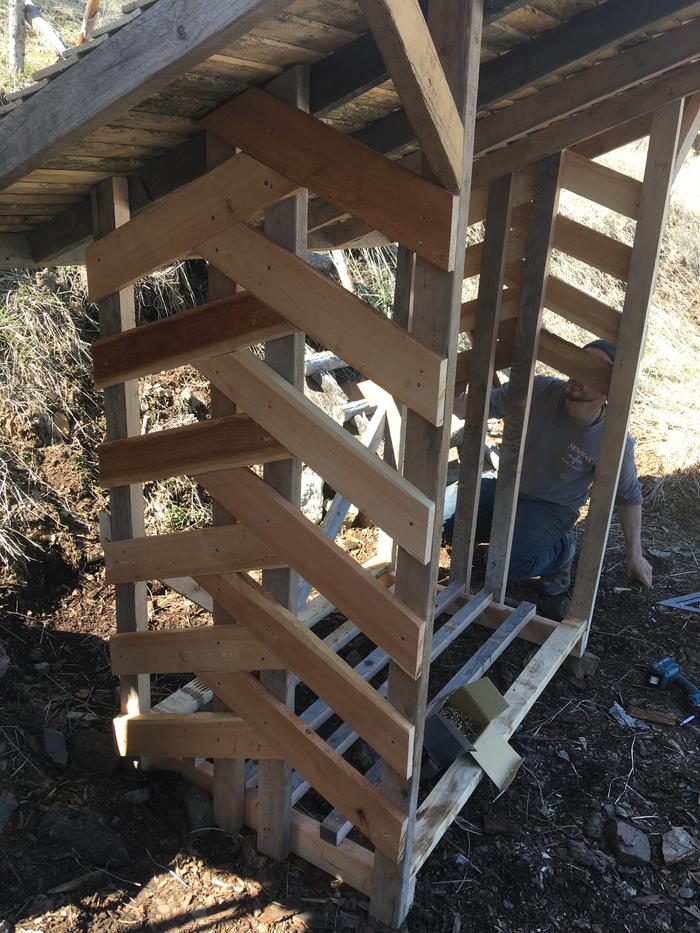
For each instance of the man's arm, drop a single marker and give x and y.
(638, 567)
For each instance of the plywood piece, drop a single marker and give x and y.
(390, 500)
(190, 735)
(371, 343)
(355, 178)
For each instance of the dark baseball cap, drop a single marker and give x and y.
(608, 348)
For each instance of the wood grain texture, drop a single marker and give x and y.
(190, 735)
(363, 337)
(352, 176)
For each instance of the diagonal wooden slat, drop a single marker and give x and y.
(190, 735)
(364, 183)
(403, 37)
(232, 441)
(379, 819)
(390, 500)
(183, 553)
(216, 327)
(371, 343)
(377, 612)
(175, 224)
(302, 652)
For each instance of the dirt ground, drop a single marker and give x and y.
(90, 844)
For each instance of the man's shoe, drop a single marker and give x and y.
(555, 608)
(558, 582)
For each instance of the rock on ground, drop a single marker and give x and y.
(8, 808)
(677, 845)
(94, 751)
(583, 855)
(84, 832)
(4, 661)
(55, 749)
(199, 808)
(630, 845)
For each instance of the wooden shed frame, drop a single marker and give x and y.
(156, 141)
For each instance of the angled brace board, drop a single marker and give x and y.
(371, 343)
(190, 735)
(364, 183)
(202, 550)
(403, 37)
(376, 611)
(232, 441)
(175, 224)
(379, 819)
(371, 484)
(302, 652)
(216, 327)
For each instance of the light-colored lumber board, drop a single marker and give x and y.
(359, 596)
(181, 651)
(219, 549)
(494, 614)
(540, 238)
(373, 344)
(222, 443)
(488, 316)
(186, 587)
(403, 37)
(581, 308)
(332, 452)
(175, 224)
(380, 820)
(314, 662)
(447, 798)
(673, 85)
(690, 127)
(591, 370)
(139, 60)
(621, 135)
(658, 179)
(465, 359)
(437, 296)
(117, 312)
(508, 309)
(190, 735)
(603, 185)
(362, 182)
(208, 330)
(588, 87)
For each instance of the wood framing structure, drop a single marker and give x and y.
(245, 132)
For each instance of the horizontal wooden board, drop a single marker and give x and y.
(301, 427)
(213, 328)
(336, 780)
(172, 226)
(593, 371)
(318, 666)
(183, 651)
(398, 203)
(185, 553)
(373, 344)
(233, 441)
(190, 735)
(375, 611)
(603, 185)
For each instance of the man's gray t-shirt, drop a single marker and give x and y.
(561, 452)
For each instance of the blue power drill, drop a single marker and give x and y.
(667, 672)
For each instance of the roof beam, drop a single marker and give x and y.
(143, 57)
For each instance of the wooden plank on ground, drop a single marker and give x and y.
(222, 443)
(373, 344)
(376, 612)
(366, 184)
(172, 227)
(181, 651)
(379, 819)
(403, 37)
(297, 423)
(314, 662)
(202, 550)
(190, 735)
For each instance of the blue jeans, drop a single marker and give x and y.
(539, 535)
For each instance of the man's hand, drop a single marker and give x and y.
(639, 568)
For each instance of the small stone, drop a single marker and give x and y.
(624, 889)
(199, 809)
(630, 845)
(564, 755)
(4, 661)
(55, 749)
(594, 827)
(42, 667)
(137, 797)
(613, 757)
(94, 751)
(677, 845)
(509, 905)
(84, 832)
(583, 855)
(8, 807)
(686, 891)
(580, 668)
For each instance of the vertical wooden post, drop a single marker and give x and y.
(527, 332)
(690, 127)
(110, 209)
(651, 221)
(456, 30)
(491, 280)
(229, 773)
(15, 36)
(286, 224)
